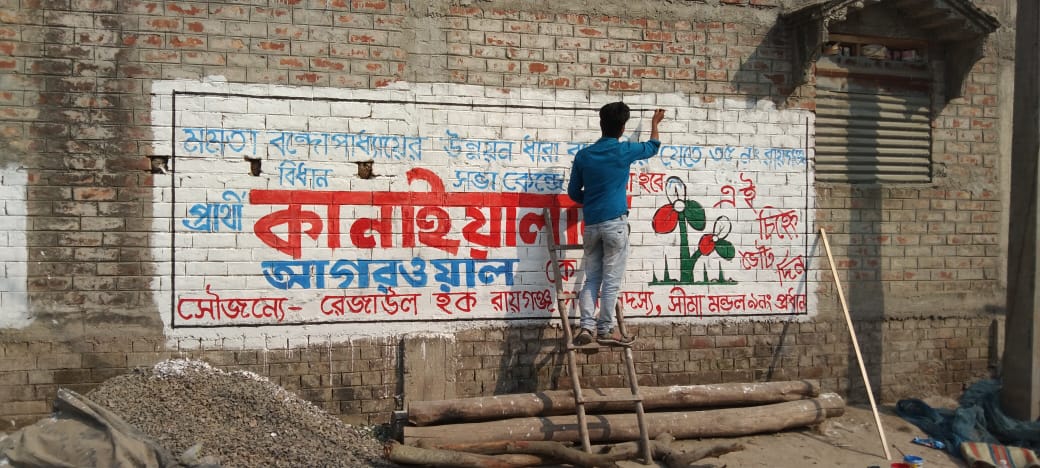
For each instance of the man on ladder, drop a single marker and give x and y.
(599, 181)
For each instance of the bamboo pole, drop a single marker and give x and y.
(855, 344)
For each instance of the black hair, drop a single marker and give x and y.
(612, 119)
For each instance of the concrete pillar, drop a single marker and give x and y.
(1020, 397)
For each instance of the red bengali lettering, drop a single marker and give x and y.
(430, 223)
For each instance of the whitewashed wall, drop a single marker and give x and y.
(448, 231)
(14, 302)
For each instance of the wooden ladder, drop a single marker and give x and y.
(572, 365)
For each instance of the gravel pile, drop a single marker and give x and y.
(241, 418)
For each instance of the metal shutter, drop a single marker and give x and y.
(873, 137)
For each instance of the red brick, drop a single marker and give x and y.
(646, 73)
(696, 342)
(309, 78)
(730, 341)
(327, 64)
(348, 51)
(561, 82)
(362, 39)
(187, 42)
(289, 32)
(537, 67)
(164, 24)
(291, 62)
(503, 39)
(279, 46)
(464, 11)
(572, 18)
(645, 46)
(591, 32)
(662, 36)
(162, 56)
(521, 27)
(153, 40)
(370, 6)
(616, 72)
(175, 9)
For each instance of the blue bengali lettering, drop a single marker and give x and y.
(287, 274)
(386, 274)
(208, 217)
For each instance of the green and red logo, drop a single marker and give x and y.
(686, 214)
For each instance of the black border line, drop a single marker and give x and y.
(457, 320)
(471, 105)
(805, 278)
(173, 203)
(173, 210)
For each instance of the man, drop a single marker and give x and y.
(599, 178)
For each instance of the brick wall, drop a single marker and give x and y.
(360, 381)
(922, 263)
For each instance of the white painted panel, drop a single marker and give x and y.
(448, 232)
(14, 300)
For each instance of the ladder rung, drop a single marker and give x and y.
(567, 247)
(597, 345)
(566, 295)
(618, 344)
(589, 347)
(610, 399)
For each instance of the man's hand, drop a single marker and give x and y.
(658, 117)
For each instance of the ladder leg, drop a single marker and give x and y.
(565, 322)
(572, 369)
(644, 431)
(633, 385)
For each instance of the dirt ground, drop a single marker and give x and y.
(850, 440)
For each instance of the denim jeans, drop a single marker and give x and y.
(606, 250)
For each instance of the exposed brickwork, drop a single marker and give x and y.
(921, 263)
(359, 381)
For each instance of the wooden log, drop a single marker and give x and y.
(728, 422)
(548, 452)
(422, 413)
(409, 455)
(671, 458)
(544, 449)
(560, 452)
(683, 459)
(496, 454)
(486, 448)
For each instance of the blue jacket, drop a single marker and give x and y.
(599, 176)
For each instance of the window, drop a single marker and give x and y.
(873, 110)
(882, 69)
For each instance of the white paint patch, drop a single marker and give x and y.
(448, 232)
(14, 298)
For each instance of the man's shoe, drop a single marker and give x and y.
(583, 337)
(615, 338)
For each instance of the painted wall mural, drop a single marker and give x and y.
(309, 210)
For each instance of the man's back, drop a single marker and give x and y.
(600, 173)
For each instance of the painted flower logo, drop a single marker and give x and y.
(685, 214)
